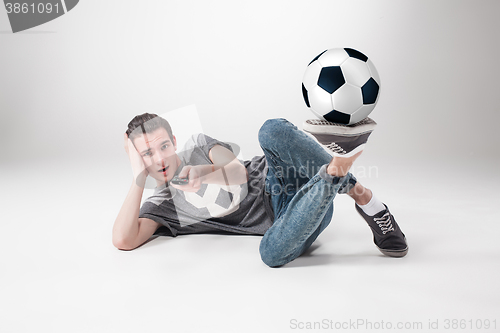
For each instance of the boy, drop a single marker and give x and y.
(286, 195)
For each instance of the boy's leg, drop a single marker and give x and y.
(387, 235)
(293, 158)
(302, 208)
(305, 217)
(347, 140)
(301, 188)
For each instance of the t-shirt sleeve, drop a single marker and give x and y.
(160, 215)
(204, 143)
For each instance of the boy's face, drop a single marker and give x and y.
(158, 153)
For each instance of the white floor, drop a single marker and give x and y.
(60, 272)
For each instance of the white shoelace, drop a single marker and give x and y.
(336, 148)
(384, 222)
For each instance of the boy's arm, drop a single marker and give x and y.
(130, 231)
(225, 170)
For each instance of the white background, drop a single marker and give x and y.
(69, 87)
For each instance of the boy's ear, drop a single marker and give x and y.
(175, 141)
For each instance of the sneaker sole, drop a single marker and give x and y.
(355, 135)
(325, 140)
(390, 253)
(317, 126)
(393, 253)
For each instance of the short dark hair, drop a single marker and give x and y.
(147, 123)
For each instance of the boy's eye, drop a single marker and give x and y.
(164, 146)
(147, 154)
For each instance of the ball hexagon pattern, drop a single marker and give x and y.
(341, 86)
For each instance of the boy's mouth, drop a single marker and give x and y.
(164, 170)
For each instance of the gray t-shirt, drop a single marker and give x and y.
(234, 209)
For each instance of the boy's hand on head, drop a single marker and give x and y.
(138, 168)
(193, 174)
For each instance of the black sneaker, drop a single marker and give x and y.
(387, 236)
(339, 139)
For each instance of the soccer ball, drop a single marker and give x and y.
(341, 86)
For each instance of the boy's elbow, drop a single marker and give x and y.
(121, 244)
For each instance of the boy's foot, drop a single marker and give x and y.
(387, 236)
(338, 139)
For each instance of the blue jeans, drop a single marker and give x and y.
(301, 191)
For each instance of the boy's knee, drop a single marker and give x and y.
(270, 260)
(271, 129)
(267, 129)
(268, 256)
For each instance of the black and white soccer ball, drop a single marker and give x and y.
(341, 86)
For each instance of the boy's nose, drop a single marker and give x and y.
(158, 159)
